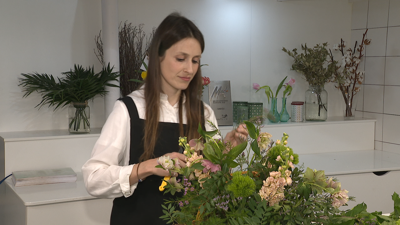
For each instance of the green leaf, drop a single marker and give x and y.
(209, 154)
(197, 166)
(357, 210)
(280, 86)
(255, 148)
(235, 151)
(251, 129)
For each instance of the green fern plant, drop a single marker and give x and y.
(77, 86)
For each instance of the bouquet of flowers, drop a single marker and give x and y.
(255, 182)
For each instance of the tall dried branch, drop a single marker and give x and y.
(133, 46)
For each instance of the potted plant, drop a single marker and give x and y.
(317, 68)
(75, 89)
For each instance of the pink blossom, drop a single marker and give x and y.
(196, 144)
(256, 86)
(209, 166)
(206, 81)
(291, 82)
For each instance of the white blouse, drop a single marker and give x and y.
(106, 173)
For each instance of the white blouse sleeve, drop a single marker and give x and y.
(106, 173)
(209, 116)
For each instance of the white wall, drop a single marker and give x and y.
(380, 98)
(244, 39)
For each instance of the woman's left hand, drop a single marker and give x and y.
(237, 135)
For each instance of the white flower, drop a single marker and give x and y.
(336, 47)
(166, 162)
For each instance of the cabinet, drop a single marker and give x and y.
(328, 146)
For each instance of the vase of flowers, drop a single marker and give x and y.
(74, 89)
(273, 115)
(347, 75)
(315, 65)
(255, 182)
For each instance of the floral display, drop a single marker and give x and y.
(258, 181)
(347, 75)
(270, 94)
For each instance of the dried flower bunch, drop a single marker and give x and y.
(347, 74)
(255, 182)
(133, 45)
(314, 63)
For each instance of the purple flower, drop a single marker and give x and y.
(256, 86)
(209, 166)
(180, 204)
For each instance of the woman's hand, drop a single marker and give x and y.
(237, 135)
(148, 168)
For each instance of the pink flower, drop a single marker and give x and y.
(256, 86)
(196, 144)
(206, 81)
(209, 166)
(291, 82)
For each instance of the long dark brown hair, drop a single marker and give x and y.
(172, 29)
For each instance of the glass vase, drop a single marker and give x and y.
(348, 113)
(316, 100)
(79, 118)
(273, 115)
(284, 115)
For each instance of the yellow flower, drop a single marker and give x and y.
(144, 75)
(163, 184)
(167, 178)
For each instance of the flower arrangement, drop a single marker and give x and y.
(347, 75)
(255, 182)
(314, 63)
(270, 94)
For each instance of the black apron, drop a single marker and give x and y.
(143, 207)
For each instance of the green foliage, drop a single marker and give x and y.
(77, 85)
(314, 63)
(268, 90)
(226, 197)
(241, 185)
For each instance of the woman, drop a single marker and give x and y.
(147, 124)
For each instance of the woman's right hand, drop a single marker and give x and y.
(148, 168)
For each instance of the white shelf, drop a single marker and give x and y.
(36, 195)
(46, 135)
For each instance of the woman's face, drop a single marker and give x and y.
(179, 65)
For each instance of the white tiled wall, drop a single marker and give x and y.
(381, 88)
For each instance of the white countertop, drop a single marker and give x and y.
(52, 193)
(46, 134)
(337, 163)
(350, 162)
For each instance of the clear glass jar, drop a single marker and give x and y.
(316, 103)
(79, 117)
